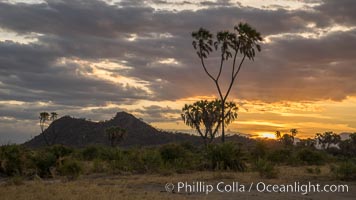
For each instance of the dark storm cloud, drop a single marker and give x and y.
(340, 11)
(156, 113)
(94, 30)
(30, 73)
(96, 18)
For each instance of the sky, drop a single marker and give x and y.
(93, 58)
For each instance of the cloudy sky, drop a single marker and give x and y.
(93, 58)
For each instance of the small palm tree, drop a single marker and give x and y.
(278, 134)
(115, 135)
(293, 131)
(205, 116)
(54, 116)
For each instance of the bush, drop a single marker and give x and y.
(152, 161)
(265, 169)
(259, 151)
(59, 150)
(280, 156)
(226, 156)
(176, 157)
(345, 171)
(311, 157)
(70, 168)
(44, 161)
(109, 153)
(98, 166)
(91, 153)
(11, 160)
(172, 152)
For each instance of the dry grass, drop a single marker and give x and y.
(98, 186)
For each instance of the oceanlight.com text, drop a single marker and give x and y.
(236, 187)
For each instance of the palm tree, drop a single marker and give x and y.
(328, 138)
(244, 40)
(44, 117)
(115, 135)
(294, 132)
(278, 134)
(205, 117)
(54, 116)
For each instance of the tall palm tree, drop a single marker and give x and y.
(44, 117)
(244, 40)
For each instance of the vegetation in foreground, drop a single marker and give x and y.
(265, 157)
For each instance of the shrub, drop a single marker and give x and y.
(90, 153)
(280, 156)
(119, 160)
(152, 161)
(99, 166)
(226, 156)
(11, 160)
(70, 168)
(311, 157)
(345, 171)
(109, 153)
(44, 161)
(59, 150)
(265, 169)
(178, 158)
(172, 152)
(259, 151)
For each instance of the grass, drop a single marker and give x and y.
(147, 186)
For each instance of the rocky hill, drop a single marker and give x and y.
(80, 132)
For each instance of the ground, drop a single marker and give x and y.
(152, 186)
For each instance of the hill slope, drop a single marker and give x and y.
(80, 132)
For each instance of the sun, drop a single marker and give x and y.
(267, 135)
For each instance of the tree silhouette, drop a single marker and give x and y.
(328, 138)
(287, 139)
(348, 146)
(278, 134)
(244, 40)
(53, 116)
(310, 143)
(46, 118)
(205, 117)
(294, 132)
(115, 135)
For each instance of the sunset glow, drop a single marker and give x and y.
(267, 135)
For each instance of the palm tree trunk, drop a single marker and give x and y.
(223, 121)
